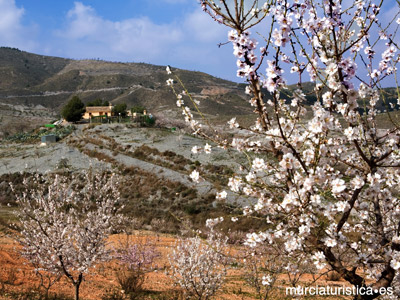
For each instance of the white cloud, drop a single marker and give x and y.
(12, 32)
(189, 42)
(92, 36)
(10, 16)
(83, 22)
(202, 28)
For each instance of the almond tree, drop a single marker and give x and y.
(199, 267)
(331, 190)
(66, 221)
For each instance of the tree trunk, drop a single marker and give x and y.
(77, 291)
(77, 285)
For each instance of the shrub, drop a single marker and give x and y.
(199, 267)
(120, 109)
(73, 110)
(138, 109)
(135, 261)
(98, 102)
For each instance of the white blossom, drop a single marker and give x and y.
(266, 280)
(200, 267)
(322, 176)
(207, 148)
(195, 176)
(221, 195)
(258, 164)
(72, 220)
(195, 149)
(233, 124)
(338, 186)
(330, 242)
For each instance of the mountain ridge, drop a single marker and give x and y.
(32, 79)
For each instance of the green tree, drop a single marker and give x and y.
(149, 120)
(73, 110)
(98, 102)
(120, 109)
(138, 109)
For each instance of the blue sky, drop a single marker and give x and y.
(175, 32)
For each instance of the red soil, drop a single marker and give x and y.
(16, 274)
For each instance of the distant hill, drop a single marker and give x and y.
(31, 80)
(21, 70)
(44, 82)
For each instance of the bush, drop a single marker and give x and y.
(149, 120)
(113, 294)
(199, 267)
(73, 110)
(120, 109)
(98, 102)
(138, 109)
(135, 261)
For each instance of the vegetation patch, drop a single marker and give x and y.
(35, 135)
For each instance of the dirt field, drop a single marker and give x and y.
(17, 276)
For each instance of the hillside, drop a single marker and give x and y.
(34, 88)
(31, 80)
